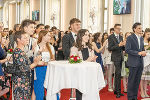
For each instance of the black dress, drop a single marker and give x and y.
(85, 53)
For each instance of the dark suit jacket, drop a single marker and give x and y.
(12, 42)
(67, 43)
(113, 46)
(132, 49)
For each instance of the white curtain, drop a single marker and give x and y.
(92, 15)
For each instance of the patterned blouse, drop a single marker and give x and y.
(22, 77)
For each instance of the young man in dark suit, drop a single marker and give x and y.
(116, 45)
(68, 41)
(135, 50)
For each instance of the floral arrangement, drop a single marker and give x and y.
(147, 48)
(75, 59)
(10, 51)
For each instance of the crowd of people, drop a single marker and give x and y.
(28, 48)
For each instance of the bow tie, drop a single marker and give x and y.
(75, 35)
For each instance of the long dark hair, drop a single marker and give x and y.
(102, 41)
(78, 43)
(41, 35)
(59, 38)
(96, 36)
(146, 31)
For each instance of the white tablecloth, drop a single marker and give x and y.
(146, 60)
(87, 77)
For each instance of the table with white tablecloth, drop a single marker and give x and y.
(87, 77)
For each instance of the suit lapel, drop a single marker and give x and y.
(136, 40)
(141, 43)
(115, 38)
(71, 38)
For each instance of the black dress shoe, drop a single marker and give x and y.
(121, 94)
(115, 92)
(124, 92)
(117, 95)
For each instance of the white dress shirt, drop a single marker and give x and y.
(138, 37)
(74, 36)
(117, 36)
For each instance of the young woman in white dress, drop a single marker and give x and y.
(146, 70)
(47, 52)
(108, 64)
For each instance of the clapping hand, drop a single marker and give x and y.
(121, 44)
(90, 59)
(142, 53)
(94, 58)
(37, 59)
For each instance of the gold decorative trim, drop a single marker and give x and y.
(18, 3)
(1, 7)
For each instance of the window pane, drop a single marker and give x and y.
(106, 3)
(105, 27)
(105, 16)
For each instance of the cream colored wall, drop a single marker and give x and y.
(34, 5)
(126, 20)
(69, 12)
(12, 15)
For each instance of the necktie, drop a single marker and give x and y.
(118, 38)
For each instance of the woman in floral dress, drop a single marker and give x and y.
(22, 76)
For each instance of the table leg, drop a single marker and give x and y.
(73, 94)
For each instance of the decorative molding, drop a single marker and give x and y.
(1, 7)
(18, 3)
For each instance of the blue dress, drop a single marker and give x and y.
(39, 82)
(1, 57)
(99, 58)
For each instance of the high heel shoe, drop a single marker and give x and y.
(146, 95)
(143, 96)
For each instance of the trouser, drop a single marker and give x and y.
(118, 66)
(134, 78)
(110, 72)
(78, 95)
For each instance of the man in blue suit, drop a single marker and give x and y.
(135, 50)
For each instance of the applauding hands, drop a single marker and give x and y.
(90, 59)
(142, 53)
